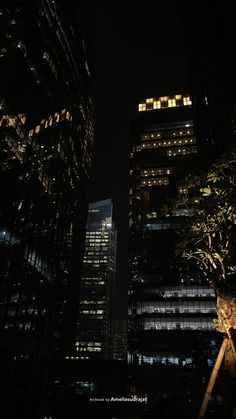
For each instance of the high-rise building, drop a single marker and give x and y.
(119, 340)
(46, 137)
(94, 336)
(171, 308)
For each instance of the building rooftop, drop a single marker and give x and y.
(162, 102)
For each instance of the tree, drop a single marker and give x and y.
(209, 237)
(208, 240)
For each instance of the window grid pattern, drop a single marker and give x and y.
(175, 323)
(164, 102)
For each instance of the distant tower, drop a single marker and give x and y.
(119, 340)
(94, 336)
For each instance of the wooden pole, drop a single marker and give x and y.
(232, 343)
(213, 378)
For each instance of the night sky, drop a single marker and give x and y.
(138, 53)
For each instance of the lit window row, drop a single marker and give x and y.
(190, 291)
(173, 323)
(88, 344)
(97, 249)
(95, 282)
(11, 121)
(175, 307)
(93, 240)
(181, 151)
(164, 102)
(51, 120)
(92, 302)
(156, 171)
(166, 134)
(100, 236)
(169, 360)
(165, 144)
(88, 349)
(97, 233)
(92, 311)
(155, 181)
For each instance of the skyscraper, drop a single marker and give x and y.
(46, 128)
(94, 336)
(119, 340)
(170, 306)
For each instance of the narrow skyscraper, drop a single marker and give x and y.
(94, 336)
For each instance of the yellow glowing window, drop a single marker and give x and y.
(150, 100)
(187, 101)
(171, 103)
(178, 97)
(37, 129)
(142, 107)
(31, 133)
(164, 98)
(156, 104)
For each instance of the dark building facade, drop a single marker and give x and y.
(119, 340)
(94, 333)
(46, 137)
(171, 308)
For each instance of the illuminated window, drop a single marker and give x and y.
(171, 103)
(149, 100)
(187, 101)
(178, 97)
(157, 104)
(142, 107)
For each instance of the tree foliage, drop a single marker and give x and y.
(208, 237)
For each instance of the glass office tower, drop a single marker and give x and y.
(94, 337)
(46, 137)
(171, 308)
